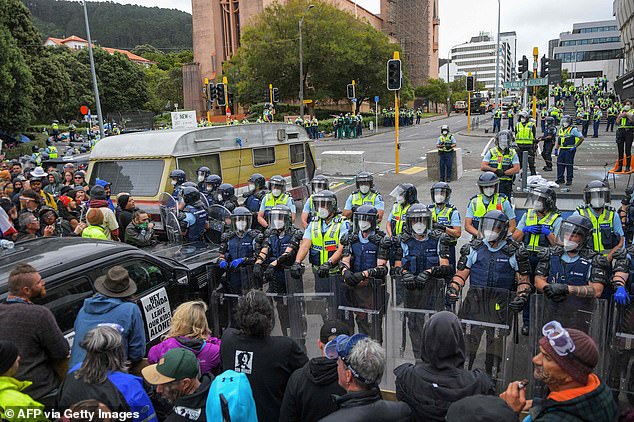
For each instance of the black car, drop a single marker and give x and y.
(166, 276)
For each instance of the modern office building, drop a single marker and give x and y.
(591, 50)
(511, 39)
(624, 13)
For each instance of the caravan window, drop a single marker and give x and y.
(137, 177)
(263, 156)
(296, 153)
(191, 164)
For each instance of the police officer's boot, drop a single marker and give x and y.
(628, 161)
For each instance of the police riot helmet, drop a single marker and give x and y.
(550, 121)
(440, 192)
(541, 198)
(522, 115)
(279, 217)
(418, 220)
(212, 182)
(190, 195)
(504, 139)
(202, 173)
(319, 183)
(364, 182)
(493, 226)
(566, 120)
(256, 181)
(488, 183)
(596, 194)
(365, 218)
(405, 193)
(277, 185)
(189, 185)
(241, 219)
(178, 177)
(444, 129)
(325, 203)
(575, 232)
(224, 192)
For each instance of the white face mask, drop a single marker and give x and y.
(219, 196)
(241, 226)
(364, 225)
(419, 228)
(569, 245)
(364, 189)
(488, 192)
(490, 235)
(444, 132)
(276, 192)
(440, 198)
(201, 177)
(251, 186)
(597, 203)
(323, 212)
(277, 224)
(539, 206)
(400, 199)
(173, 182)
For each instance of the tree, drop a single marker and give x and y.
(15, 85)
(435, 90)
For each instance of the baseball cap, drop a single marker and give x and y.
(333, 328)
(176, 364)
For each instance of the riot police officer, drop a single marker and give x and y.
(276, 196)
(177, 178)
(445, 217)
(257, 190)
(318, 184)
(364, 195)
(195, 215)
(492, 264)
(364, 267)
(487, 200)
(238, 249)
(212, 182)
(201, 175)
(225, 196)
(422, 264)
(405, 195)
(503, 160)
(549, 137)
(280, 244)
(525, 135)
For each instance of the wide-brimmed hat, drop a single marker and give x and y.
(39, 172)
(116, 283)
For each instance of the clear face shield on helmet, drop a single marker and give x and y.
(440, 196)
(365, 186)
(318, 185)
(398, 194)
(276, 188)
(536, 201)
(201, 176)
(241, 223)
(503, 140)
(489, 191)
(492, 230)
(566, 121)
(364, 223)
(571, 236)
(418, 224)
(323, 207)
(597, 198)
(279, 220)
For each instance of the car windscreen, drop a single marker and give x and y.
(136, 177)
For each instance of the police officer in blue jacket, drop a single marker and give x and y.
(177, 178)
(254, 196)
(212, 182)
(225, 196)
(201, 175)
(364, 267)
(194, 214)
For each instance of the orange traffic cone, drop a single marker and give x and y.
(618, 166)
(629, 165)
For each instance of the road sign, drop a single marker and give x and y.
(184, 119)
(84, 110)
(513, 85)
(538, 82)
(376, 98)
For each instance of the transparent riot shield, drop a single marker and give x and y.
(168, 208)
(620, 366)
(589, 315)
(487, 322)
(276, 289)
(224, 297)
(364, 305)
(204, 200)
(219, 219)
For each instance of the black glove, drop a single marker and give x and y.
(268, 274)
(396, 271)
(409, 281)
(352, 279)
(422, 279)
(323, 270)
(440, 227)
(284, 259)
(556, 292)
(452, 294)
(442, 271)
(297, 270)
(499, 172)
(257, 271)
(517, 304)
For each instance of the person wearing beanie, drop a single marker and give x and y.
(106, 187)
(480, 408)
(99, 200)
(125, 209)
(11, 394)
(565, 363)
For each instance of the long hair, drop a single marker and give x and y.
(255, 314)
(104, 353)
(190, 320)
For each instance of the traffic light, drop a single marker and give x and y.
(545, 67)
(523, 65)
(276, 95)
(470, 83)
(230, 98)
(554, 75)
(220, 94)
(211, 91)
(350, 91)
(394, 75)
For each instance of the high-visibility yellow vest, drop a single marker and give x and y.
(444, 216)
(479, 208)
(603, 225)
(398, 214)
(502, 161)
(359, 199)
(270, 201)
(537, 242)
(564, 138)
(524, 134)
(52, 151)
(444, 143)
(324, 244)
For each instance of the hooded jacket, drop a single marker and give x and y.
(193, 406)
(207, 351)
(11, 395)
(367, 405)
(54, 188)
(100, 309)
(308, 395)
(432, 386)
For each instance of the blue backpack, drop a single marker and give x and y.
(231, 399)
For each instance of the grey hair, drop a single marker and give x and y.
(25, 219)
(104, 353)
(367, 357)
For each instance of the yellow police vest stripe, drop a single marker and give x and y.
(444, 143)
(358, 199)
(606, 217)
(498, 159)
(524, 134)
(328, 242)
(531, 220)
(562, 135)
(480, 208)
(444, 213)
(398, 213)
(271, 201)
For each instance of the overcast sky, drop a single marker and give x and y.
(535, 22)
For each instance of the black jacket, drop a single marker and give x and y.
(309, 391)
(124, 217)
(192, 407)
(432, 386)
(363, 406)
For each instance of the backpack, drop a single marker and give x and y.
(231, 399)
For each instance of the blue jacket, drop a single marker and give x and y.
(100, 309)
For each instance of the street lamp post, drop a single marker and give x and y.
(301, 64)
(497, 60)
(94, 74)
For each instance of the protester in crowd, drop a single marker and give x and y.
(29, 228)
(565, 363)
(33, 329)
(16, 169)
(37, 177)
(94, 229)
(50, 220)
(68, 179)
(480, 408)
(99, 200)
(190, 331)
(125, 210)
(11, 389)
(8, 190)
(177, 378)
(429, 387)
(102, 374)
(309, 390)
(360, 365)
(8, 221)
(106, 187)
(238, 404)
(140, 232)
(110, 305)
(68, 210)
(54, 184)
(79, 180)
(79, 196)
(17, 189)
(30, 201)
(268, 361)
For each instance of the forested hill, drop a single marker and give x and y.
(114, 25)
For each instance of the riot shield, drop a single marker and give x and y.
(224, 298)
(484, 313)
(364, 304)
(276, 289)
(168, 208)
(219, 219)
(203, 199)
(589, 315)
(620, 368)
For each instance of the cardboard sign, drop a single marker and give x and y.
(184, 119)
(158, 317)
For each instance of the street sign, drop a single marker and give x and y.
(538, 82)
(514, 85)
(376, 98)
(184, 119)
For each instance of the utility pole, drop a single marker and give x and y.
(535, 57)
(301, 64)
(94, 74)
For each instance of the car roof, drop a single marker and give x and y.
(61, 253)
